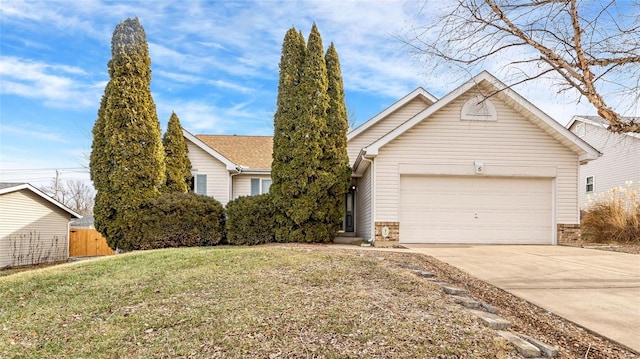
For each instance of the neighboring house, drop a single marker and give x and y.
(620, 161)
(226, 167)
(34, 228)
(460, 169)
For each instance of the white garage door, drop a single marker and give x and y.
(475, 210)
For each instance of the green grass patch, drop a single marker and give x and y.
(233, 302)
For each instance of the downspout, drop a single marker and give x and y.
(372, 240)
(238, 171)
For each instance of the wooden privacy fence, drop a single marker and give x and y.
(87, 242)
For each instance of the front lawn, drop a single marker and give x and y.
(261, 302)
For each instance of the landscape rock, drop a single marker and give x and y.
(523, 347)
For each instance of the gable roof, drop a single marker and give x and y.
(6, 187)
(252, 152)
(546, 123)
(599, 122)
(217, 155)
(417, 93)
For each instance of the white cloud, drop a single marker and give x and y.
(57, 85)
(33, 131)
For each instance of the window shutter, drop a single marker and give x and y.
(255, 186)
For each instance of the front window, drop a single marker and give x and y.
(590, 184)
(260, 186)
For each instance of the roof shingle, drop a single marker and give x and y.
(253, 152)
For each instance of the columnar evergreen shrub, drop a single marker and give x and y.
(309, 169)
(284, 123)
(336, 159)
(176, 157)
(250, 220)
(179, 220)
(127, 157)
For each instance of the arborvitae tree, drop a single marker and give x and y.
(100, 167)
(131, 146)
(176, 158)
(336, 159)
(300, 180)
(284, 123)
(309, 210)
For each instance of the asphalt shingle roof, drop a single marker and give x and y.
(253, 152)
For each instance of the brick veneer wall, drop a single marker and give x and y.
(568, 233)
(394, 231)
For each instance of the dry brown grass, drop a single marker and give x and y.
(259, 302)
(613, 217)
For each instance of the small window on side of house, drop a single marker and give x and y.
(260, 186)
(590, 184)
(255, 186)
(266, 184)
(201, 184)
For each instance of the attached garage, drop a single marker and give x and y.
(476, 210)
(481, 165)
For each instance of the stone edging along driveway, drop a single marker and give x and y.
(595, 289)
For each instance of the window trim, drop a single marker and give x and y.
(592, 184)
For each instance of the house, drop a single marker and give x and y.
(620, 161)
(34, 227)
(480, 165)
(227, 167)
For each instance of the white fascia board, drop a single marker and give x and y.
(217, 155)
(254, 172)
(41, 194)
(389, 110)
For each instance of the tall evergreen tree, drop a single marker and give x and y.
(301, 180)
(284, 123)
(128, 152)
(336, 159)
(176, 158)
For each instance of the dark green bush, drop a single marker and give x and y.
(250, 220)
(179, 220)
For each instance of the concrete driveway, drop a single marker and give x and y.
(596, 289)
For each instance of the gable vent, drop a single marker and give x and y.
(478, 108)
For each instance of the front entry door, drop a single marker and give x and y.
(348, 216)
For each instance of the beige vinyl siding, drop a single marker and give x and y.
(363, 205)
(32, 230)
(443, 138)
(216, 171)
(619, 163)
(384, 126)
(242, 184)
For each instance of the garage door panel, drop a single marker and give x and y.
(475, 210)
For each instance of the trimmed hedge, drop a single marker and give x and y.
(180, 220)
(250, 220)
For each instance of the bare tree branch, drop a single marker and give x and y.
(591, 46)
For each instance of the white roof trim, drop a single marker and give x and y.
(419, 92)
(217, 155)
(577, 118)
(21, 186)
(589, 153)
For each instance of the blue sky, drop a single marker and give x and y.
(215, 63)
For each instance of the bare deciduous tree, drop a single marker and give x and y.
(590, 46)
(76, 195)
